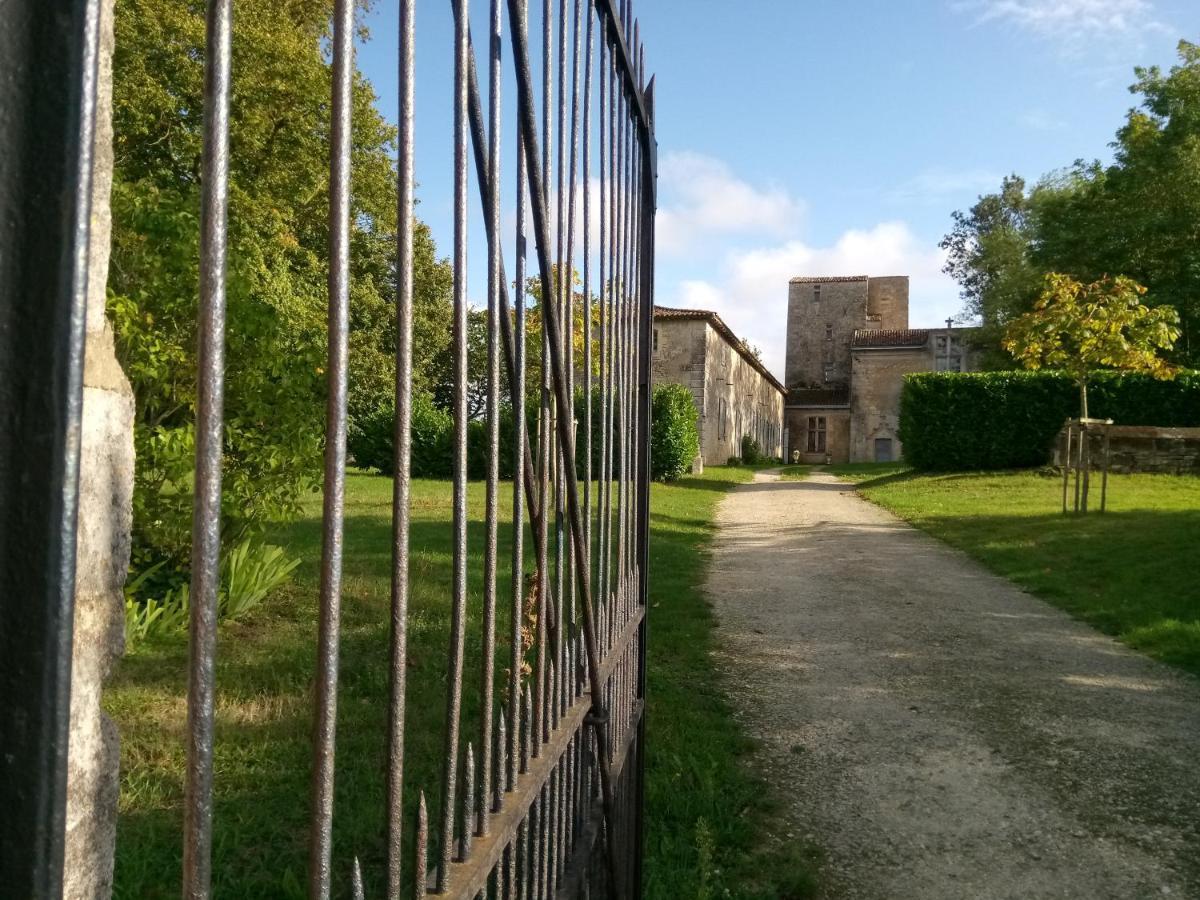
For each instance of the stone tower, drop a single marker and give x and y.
(824, 313)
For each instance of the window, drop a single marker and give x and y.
(655, 340)
(816, 434)
(947, 353)
(722, 419)
(816, 293)
(829, 373)
(829, 332)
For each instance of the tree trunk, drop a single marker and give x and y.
(1083, 403)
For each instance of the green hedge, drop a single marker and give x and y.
(370, 438)
(1008, 420)
(674, 436)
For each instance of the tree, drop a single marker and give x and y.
(277, 238)
(1078, 328)
(1139, 216)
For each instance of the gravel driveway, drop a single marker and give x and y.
(938, 732)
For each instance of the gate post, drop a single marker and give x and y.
(47, 66)
(103, 537)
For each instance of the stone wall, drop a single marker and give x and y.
(837, 434)
(102, 541)
(752, 405)
(887, 299)
(875, 397)
(732, 396)
(819, 331)
(1139, 448)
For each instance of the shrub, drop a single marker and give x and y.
(674, 437)
(1007, 420)
(752, 454)
(371, 439)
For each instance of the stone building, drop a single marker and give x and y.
(734, 392)
(848, 349)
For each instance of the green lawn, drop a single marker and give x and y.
(1131, 572)
(708, 815)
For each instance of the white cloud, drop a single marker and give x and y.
(1075, 25)
(701, 198)
(750, 292)
(935, 185)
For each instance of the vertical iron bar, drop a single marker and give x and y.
(586, 185)
(206, 513)
(565, 433)
(421, 863)
(562, 285)
(649, 189)
(48, 66)
(519, 722)
(325, 719)
(401, 483)
(570, 291)
(459, 599)
(493, 424)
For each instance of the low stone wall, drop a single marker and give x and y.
(1140, 448)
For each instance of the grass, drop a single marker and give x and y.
(1130, 572)
(795, 473)
(708, 817)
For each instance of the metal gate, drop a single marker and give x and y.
(545, 800)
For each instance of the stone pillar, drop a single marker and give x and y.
(102, 541)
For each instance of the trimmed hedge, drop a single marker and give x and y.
(370, 438)
(1008, 420)
(674, 436)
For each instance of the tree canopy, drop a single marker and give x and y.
(277, 269)
(1079, 328)
(1138, 217)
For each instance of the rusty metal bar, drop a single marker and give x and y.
(466, 877)
(325, 717)
(206, 516)
(649, 188)
(402, 482)
(493, 426)
(459, 599)
(551, 326)
(48, 69)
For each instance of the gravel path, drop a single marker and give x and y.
(938, 732)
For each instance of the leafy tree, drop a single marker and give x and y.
(1139, 216)
(276, 297)
(1078, 328)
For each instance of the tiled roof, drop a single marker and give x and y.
(834, 396)
(826, 279)
(669, 312)
(890, 337)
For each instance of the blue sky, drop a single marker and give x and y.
(819, 137)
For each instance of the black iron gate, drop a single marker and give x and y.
(545, 800)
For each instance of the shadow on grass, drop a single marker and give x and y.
(1130, 574)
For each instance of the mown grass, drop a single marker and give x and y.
(707, 812)
(1130, 572)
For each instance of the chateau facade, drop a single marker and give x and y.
(848, 349)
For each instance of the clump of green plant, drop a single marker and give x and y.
(752, 454)
(249, 573)
(674, 436)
